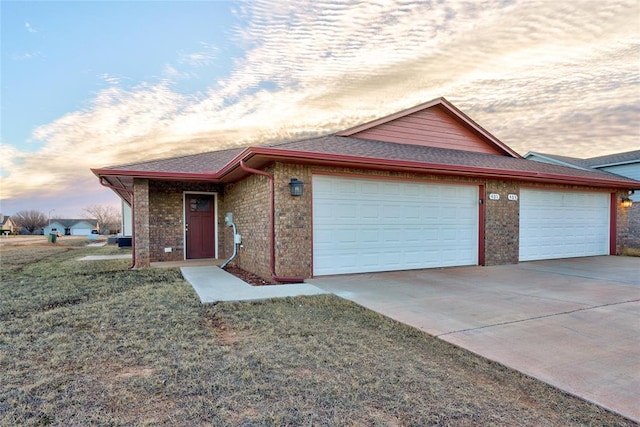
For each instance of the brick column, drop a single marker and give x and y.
(141, 223)
(293, 225)
(502, 224)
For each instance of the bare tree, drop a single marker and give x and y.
(30, 219)
(108, 216)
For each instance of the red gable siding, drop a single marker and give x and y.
(432, 127)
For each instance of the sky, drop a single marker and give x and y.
(87, 84)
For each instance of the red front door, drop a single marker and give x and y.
(200, 226)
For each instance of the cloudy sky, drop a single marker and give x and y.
(96, 83)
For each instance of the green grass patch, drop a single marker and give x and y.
(93, 343)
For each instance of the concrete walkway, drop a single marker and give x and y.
(572, 323)
(104, 257)
(212, 284)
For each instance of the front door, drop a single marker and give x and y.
(200, 226)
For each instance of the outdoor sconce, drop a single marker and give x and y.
(295, 187)
(626, 202)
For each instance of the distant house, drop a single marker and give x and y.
(7, 225)
(625, 164)
(126, 226)
(72, 227)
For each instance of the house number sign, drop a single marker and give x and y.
(494, 196)
(513, 197)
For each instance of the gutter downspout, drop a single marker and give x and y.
(281, 279)
(133, 218)
(235, 247)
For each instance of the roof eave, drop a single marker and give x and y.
(156, 175)
(623, 163)
(265, 155)
(260, 156)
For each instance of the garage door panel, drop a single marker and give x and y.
(557, 224)
(396, 225)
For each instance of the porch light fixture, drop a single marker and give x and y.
(626, 202)
(296, 186)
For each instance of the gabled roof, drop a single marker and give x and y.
(69, 223)
(616, 159)
(559, 160)
(355, 151)
(435, 123)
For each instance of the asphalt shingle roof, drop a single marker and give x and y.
(344, 147)
(202, 163)
(594, 162)
(405, 152)
(618, 158)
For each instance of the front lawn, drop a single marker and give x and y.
(93, 343)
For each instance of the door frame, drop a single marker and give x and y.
(184, 218)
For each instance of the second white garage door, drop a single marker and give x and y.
(563, 224)
(367, 225)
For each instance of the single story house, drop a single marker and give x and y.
(7, 226)
(424, 187)
(72, 227)
(625, 164)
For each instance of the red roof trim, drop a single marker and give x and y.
(269, 154)
(452, 109)
(154, 174)
(369, 163)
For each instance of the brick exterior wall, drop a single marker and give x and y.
(166, 207)
(633, 237)
(293, 227)
(628, 225)
(141, 222)
(159, 218)
(249, 199)
(502, 223)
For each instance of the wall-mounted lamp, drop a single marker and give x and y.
(296, 186)
(626, 202)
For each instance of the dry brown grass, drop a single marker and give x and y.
(631, 252)
(92, 343)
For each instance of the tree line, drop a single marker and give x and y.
(108, 217)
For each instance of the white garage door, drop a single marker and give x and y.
(366, 225)
(80, 231)
(558, 224)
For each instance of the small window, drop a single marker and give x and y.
(200, 205)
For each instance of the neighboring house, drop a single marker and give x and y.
(425, 187)
(7, 226)
(72, 227)
(625, 164)
(126, 226)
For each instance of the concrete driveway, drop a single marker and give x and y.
(572, 323)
